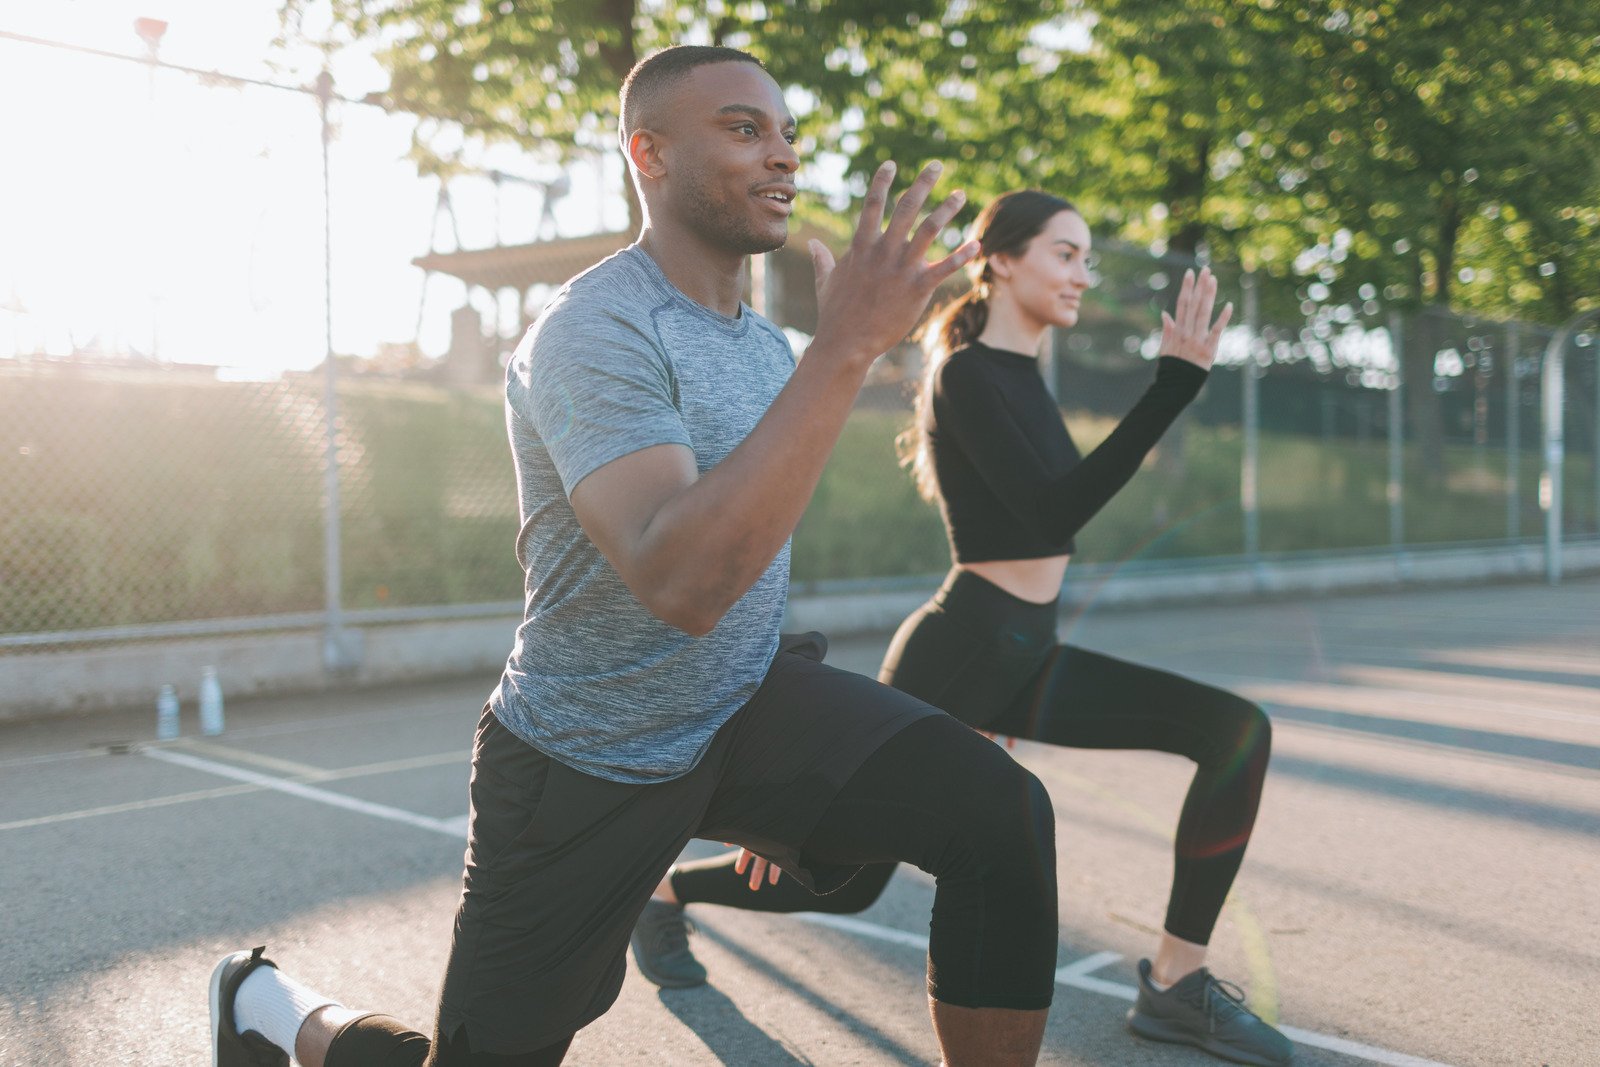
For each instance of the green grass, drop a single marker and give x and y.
(139, 500)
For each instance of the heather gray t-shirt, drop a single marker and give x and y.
(621, 361)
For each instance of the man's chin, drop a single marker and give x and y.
(761, 243)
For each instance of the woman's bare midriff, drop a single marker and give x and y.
(1034, 580)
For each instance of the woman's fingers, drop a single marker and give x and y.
(1214, 338)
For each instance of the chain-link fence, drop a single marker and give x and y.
(166, 425)
(168, 403)
(1328, 427)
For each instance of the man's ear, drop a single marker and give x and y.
(644, 152)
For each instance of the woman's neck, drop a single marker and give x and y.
(1010, 328)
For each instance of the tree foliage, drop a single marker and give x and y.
(1441, 152)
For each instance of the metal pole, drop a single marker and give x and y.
(151, 31)
(1396, 491)
(1250, 461)
(336, 654)
(1513, 432)
(1553, 387)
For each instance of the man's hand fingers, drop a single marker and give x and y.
(936, 221)
(758, 870)
(741, 862)
(821, 262)
(774, 872)
(911, 201)
(939, 271)
(870, 226)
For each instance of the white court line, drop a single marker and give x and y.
(1075, 975)
(308, 792)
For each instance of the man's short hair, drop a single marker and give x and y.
(644, 89)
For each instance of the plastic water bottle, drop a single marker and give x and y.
(210, 703)
(167, 714)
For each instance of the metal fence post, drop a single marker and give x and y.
(1249, 463)
(1513, 433)
(1396, 492)
(338, 652)
(1553, 389)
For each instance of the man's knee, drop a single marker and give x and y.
(1009, 834)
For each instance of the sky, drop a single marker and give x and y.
(169, 216)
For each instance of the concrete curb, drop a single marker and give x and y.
(104, 677)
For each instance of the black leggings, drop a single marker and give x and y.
(989, 842)
(992, 661)
(374, 1040)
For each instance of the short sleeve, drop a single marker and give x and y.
(594, 387)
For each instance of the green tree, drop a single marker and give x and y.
(545, 73)
(1449, 142)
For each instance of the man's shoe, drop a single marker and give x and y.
(230, 1048)
(661, 947)
(1203, 1011)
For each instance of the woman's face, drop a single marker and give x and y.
(1049, 279)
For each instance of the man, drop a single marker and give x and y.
(666, 443)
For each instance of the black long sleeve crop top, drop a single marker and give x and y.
(1012, 485)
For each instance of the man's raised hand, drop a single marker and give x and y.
(872, 297)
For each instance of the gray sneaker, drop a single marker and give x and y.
(661, 947)
(1203, 1011)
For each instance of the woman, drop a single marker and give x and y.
(989, 448)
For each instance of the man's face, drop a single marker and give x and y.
(728, 144)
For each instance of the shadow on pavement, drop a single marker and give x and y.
(777, 976)
(729, 1036)
(1561, 753)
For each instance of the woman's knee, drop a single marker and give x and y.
(1239, 735)
(1254, 730)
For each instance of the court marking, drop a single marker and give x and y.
(1074, 975)
(1077, 976)
(306, 792)
(311, 774)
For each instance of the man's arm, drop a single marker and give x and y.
(689, 546)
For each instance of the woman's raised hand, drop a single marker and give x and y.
(1188, 332)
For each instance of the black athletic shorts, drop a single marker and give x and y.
(560, 864)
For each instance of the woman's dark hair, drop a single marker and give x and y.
(1006, 227)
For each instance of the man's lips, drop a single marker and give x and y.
(778, 196)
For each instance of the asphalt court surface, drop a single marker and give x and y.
(1421, 887)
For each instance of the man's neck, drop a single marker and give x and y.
(711, 277)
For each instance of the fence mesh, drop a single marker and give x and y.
(164, 426)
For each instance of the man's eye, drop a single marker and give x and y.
(747, 127)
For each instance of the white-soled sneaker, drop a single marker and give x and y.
(1208, 1013)
(230, 1048)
